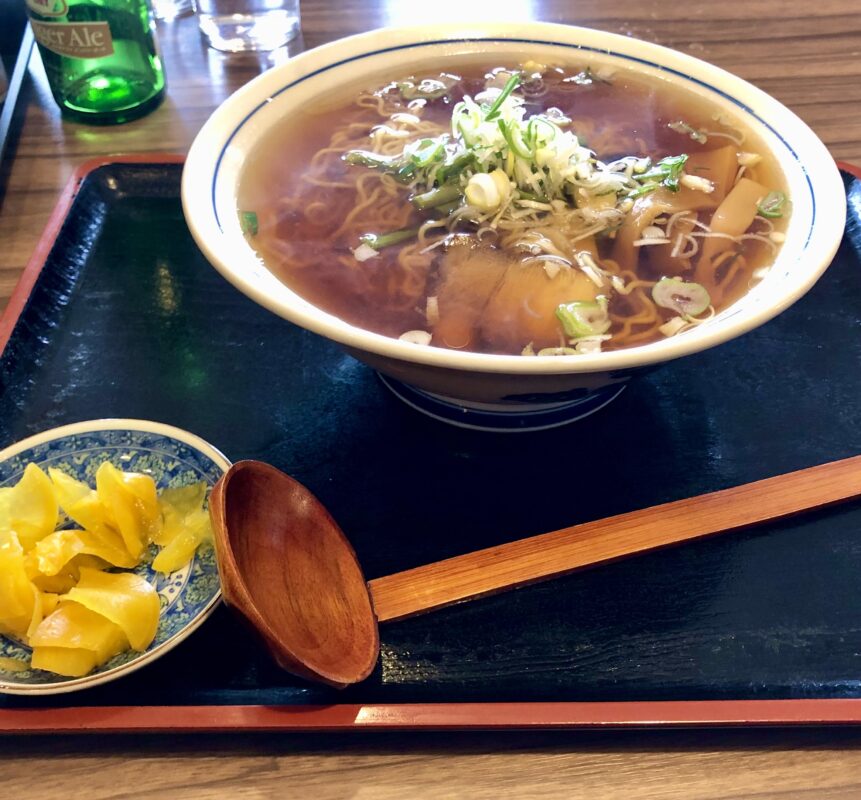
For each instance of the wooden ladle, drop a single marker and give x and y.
(288, 569)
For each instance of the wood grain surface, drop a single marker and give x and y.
(808, 55)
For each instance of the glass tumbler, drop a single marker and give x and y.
(236, 25)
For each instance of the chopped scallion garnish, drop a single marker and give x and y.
(685, 297)
(437, 197)
(666, 172)
(584, 319)
(380, 240)
(365, 158)
(248, 222)
(510, 85)
(771, 206)
(428, 151)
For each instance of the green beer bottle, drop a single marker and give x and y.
(101, 57)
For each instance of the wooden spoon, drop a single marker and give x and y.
(288, 569)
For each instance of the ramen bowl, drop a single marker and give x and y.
(491, 391)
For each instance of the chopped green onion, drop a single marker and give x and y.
(513, 139)
(687, 298)
(584, 319)
(401, 170)
(511, 84)
(380, 240)
(666, 173)
(429, 150)
(646, 188)
(437, 197)
(771, 206)
(365, 158)
(456, 166)
(248, 222)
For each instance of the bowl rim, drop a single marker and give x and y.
(116, 424)
(202, 165)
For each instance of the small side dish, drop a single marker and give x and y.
(62, 544)
(101, 565)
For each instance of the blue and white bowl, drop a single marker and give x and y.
(503, 391)
(173, 458)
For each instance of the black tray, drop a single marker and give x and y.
(126, 319)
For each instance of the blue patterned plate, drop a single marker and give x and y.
(174, 458)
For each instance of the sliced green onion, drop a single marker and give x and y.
(365, 158)
(457, 165)
(646, 188)
(428, 151)
(686, 298)
(400, 170)
(437, 197)
(665, 172)
(511, 84)
(771, 206)
(380, 240)
(514, 139)
(248, 222)
(584, 319)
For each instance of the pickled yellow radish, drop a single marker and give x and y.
(64, 661)
(5, 502)
(177, 505)
(74, 626)
(72, 640)
(16, 592)
(80, 503)
(91, 514)
(49, 602)
(56, 584)
(132, 504)
(124, 598)
(38, 612)
(67, 489)
(53, 552)
(182, 546)
(32, 507)
(54, 592)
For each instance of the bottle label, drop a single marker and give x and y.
(75, 39)
(48, 8)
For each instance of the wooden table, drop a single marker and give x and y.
(808, 55)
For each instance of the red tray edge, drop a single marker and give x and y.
(432, 717)
(391, 717)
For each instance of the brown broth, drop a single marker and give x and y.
(298, 236)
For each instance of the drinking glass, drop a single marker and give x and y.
(235, 25)
(171, 9)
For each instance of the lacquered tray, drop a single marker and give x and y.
(118, 315)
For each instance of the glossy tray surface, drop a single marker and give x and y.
(126, 319)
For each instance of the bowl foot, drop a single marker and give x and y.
(503, 418)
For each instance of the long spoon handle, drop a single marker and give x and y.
(506, 566)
